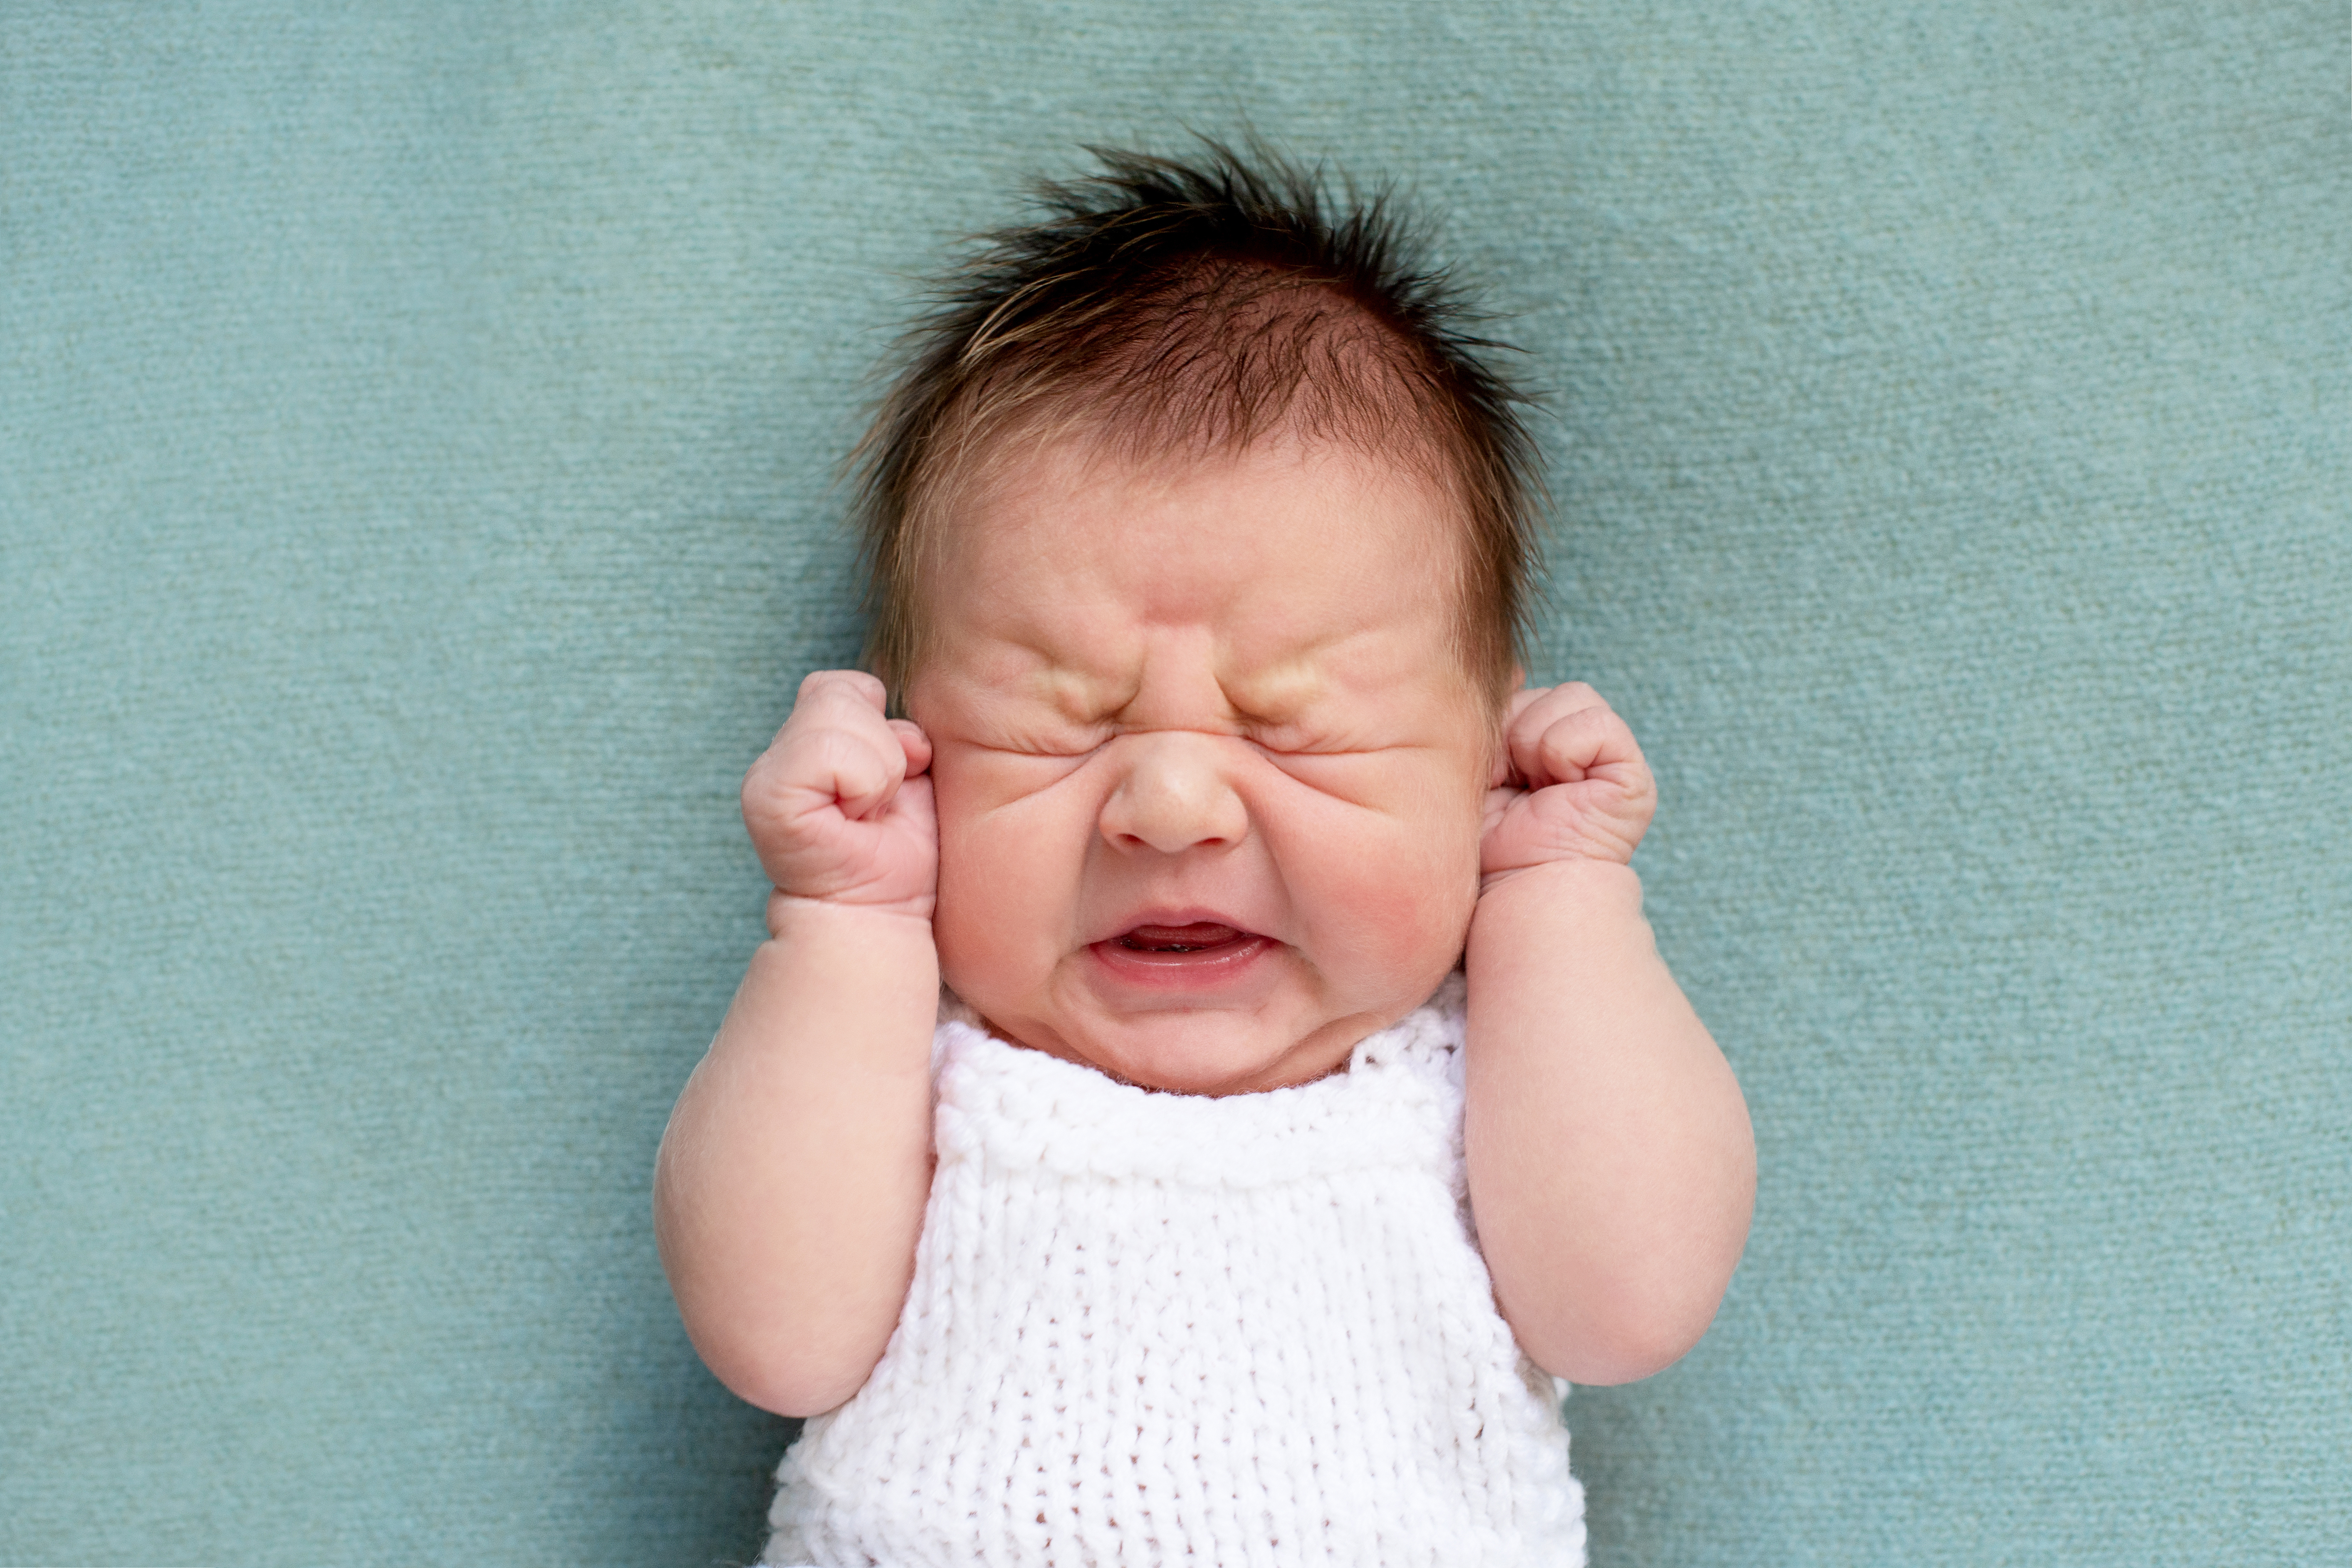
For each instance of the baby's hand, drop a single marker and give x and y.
(1571, 785)
(836, 807)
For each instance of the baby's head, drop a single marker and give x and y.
(1200, 534)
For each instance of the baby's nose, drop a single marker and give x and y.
(1174, 797)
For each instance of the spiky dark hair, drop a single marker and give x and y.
(1168, 306)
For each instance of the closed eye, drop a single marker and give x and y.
(1296, 743)
(1065, 747)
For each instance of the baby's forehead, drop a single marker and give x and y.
(1237, 521)
(1008, 486)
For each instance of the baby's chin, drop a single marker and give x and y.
(1205, 1051)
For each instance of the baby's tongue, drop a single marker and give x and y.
(1201, 933)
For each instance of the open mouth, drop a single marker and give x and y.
(1204, 937)
(1193, 954)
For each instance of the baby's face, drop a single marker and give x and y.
(1207, 764)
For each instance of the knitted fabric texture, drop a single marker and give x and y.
(1154, 1328)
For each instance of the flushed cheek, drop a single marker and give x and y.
(1008, 875)
(1405, 924)
(1386, 900)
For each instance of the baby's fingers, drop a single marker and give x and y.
(835, 748)
(1565, 735)
(1593, 742)
(859, 769)
(1521, 701)
(913, 744)
(853, 702)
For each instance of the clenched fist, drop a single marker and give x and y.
(1571, 785)
(837, 806)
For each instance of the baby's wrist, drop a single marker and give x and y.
(788, 911)
(1604, 886)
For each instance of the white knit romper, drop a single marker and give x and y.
(1152, 1328)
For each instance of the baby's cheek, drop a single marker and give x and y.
(1009, 862)
(1417, 916)
(1396, 894)
(984, 952)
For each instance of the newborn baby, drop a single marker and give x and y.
(1207, 1213)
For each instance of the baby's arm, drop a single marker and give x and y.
(789, 1188)
(1611, 1166)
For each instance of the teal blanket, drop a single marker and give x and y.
(417, 433)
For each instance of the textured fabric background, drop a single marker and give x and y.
(416, 430)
